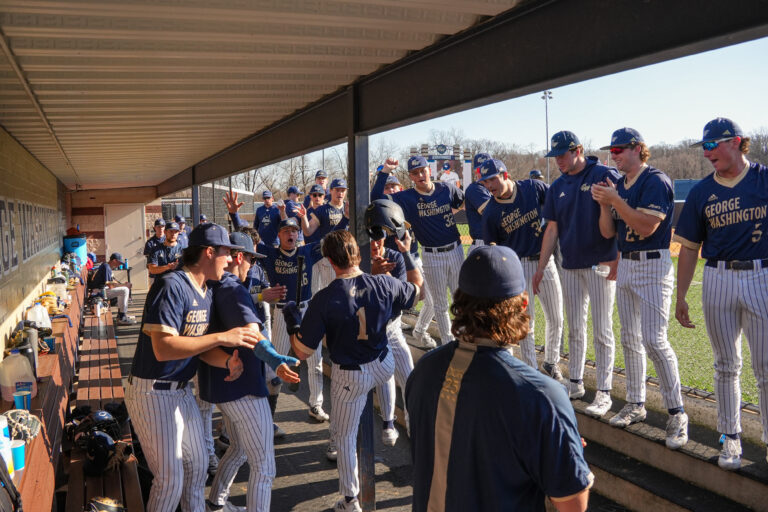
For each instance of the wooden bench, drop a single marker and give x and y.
(37, 481)
(99, 383)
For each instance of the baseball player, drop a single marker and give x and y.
(156, 239)
(573, 219)
(429, 208)
(489, 432)
(243, 404)
(103, 278)
(316, 196)
(382, 218)
(427, 311)
(165, 257)
(321, 221)
(513, 219)
(203, 218)
(352, 313)
(321, 179)
(172, 338)
(535, 174)
(725, 216)
(639, 210)
(265, 221)
(184, 231)
(290, 207)
(449, 176)
(281, 265)
(476, 197)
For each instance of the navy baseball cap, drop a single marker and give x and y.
(293, 190)
(317, 189)
(116, 256)
(492, 272)
(535, 174)
(479, 159)
(160, 222)
(392, 179)
(624, 137)
(446, 166)
(491, 168)
(719, 129)
(290, 222)
(180, 219)
(321, 174)
(211, 235)
(338, 183)
(417, 162)
(203, 217)
(172, 226)
(562, 142)
(266, 194)
(239, 238)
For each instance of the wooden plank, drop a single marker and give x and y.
(76, 484)
(37, 479)
(131, 487)
(113, 487)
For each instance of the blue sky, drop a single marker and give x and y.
(667, 102)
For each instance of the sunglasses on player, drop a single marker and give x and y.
(709, 146)
(617, 150)
(317, 195)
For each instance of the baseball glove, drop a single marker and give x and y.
(21, 424)
(104, 504)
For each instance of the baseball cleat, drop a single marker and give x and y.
(331, 453)
(553, 370)
(389, 436)
(126, 320)
(601, 404)
(213, 464)
(730, 455)
(228, 507)
(279, 433)
(426, 341)
(348, 506)
(319, 414)
(629, 414)
(576, 390)
(677, 430)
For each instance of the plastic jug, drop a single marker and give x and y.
(16, 375)
(39, 315)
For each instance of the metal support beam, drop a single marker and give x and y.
(366, 468)
(537, 45)
(195, 205)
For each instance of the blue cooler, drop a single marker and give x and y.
(77, 245)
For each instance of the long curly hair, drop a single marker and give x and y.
(505, 321)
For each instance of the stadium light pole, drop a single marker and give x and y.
(546, 96)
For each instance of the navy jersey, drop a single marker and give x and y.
(164, 255)
(512, 434)
(728, 216)
(102, 276)
(430, 215)
(352, 313)
(395, 257)
(183, 240)
(476, 197)
(290, 211)
(266, 221)
(330, 219)
(516, 222)
(255, 282)
(317, 235)
(308, 199)
(569, 203)
(282, 267)
(232, 307)
(152, 244)
(651, 192)
(176, 305)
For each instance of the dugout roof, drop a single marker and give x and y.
(110, 94)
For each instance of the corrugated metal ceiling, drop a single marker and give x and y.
(111, 94)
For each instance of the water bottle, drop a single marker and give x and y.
(125, 265)
(601, 270)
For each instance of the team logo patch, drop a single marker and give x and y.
(654, 206)
(585, 187)
(554, 143)
(562, 194)
(713, 197)
(194, 302)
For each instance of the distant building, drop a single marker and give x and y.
(211, 204)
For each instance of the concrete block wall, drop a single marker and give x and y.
(32, 224)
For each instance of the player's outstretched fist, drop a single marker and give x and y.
(391, 164)
(288, 375)
(235, 366)
(240, 337)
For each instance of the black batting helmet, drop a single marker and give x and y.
(384, 217)
(100, 421)
(100, 449)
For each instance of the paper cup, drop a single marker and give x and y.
(4, 427)
(18, 454)
(22, 400)
(51, 342)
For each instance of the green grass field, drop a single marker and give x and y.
(694, 352)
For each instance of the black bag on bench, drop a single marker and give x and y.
(10, 499)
